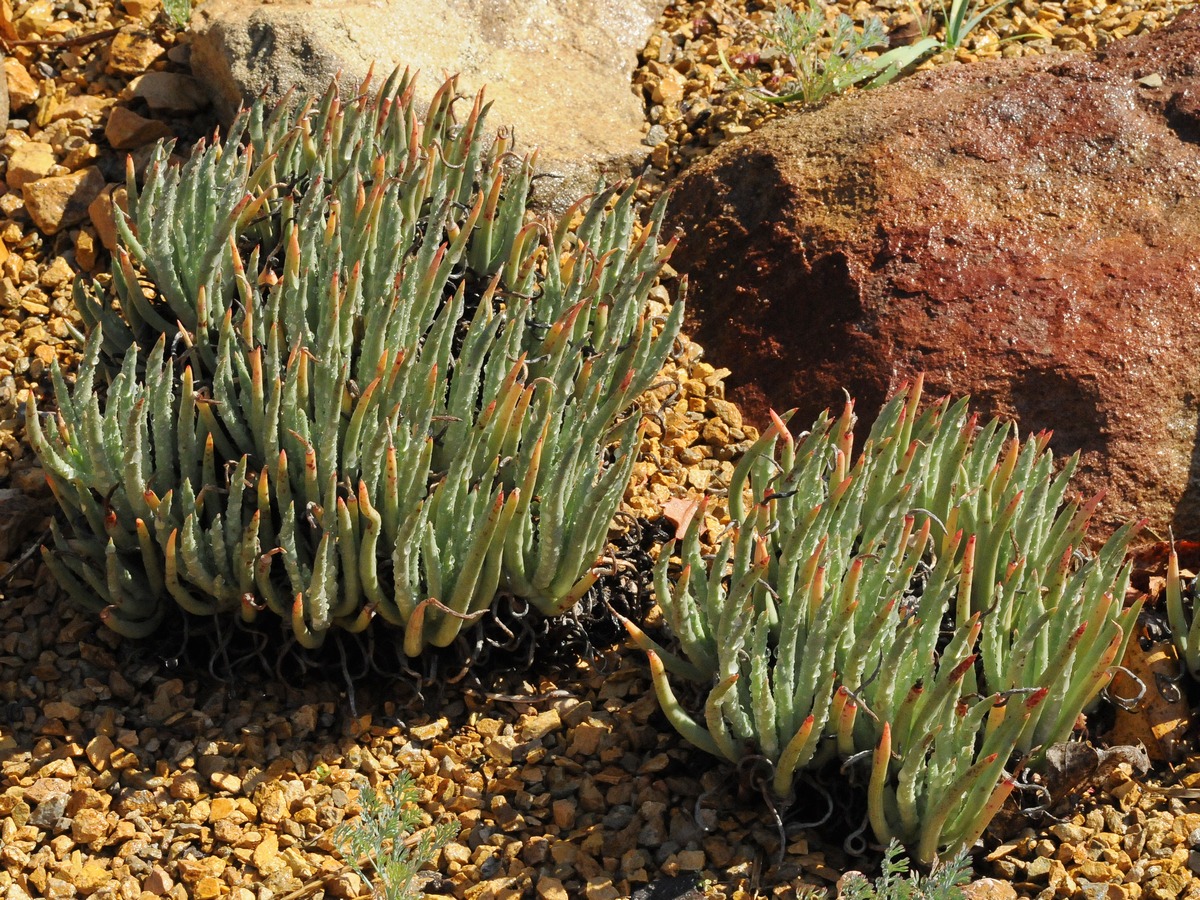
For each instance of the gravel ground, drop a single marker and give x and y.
(133, 771)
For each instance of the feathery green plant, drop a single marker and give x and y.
(929, 606)
(895, 882)
(379, 840)
(348, 375)
(827, 57)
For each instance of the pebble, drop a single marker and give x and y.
(132, 53)
(82, 106)
(126, 130)
(60, 201)
(31, 161)
(22, 88)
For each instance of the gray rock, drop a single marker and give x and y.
(655, 136)
(559, 71)
(49, 811)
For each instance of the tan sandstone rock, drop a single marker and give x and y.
(559, 72)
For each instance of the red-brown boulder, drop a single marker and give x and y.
(1023, 231)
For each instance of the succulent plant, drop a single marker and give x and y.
(340, 371)
(929, 606)
(1181, 616)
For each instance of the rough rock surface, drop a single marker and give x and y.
(559, 72)
(1023, 231)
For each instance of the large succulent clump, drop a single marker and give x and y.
(927, 611)
(346, 375)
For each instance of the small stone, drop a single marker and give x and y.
(1068, 833)
(669, 89)
(143, 9)
(266, 854)
(91, 877)
(207, 888)
(585, 739)
(600, 887)
(126, 129)
(58, 709)
(22, 89)
(660, 157)
(61, 201)
(132, 54)
(158, 882)
(551, 889)
(563, 812)
(171, 94)
(500, 748)
(1166, 886)
(31, 161)
(85, 249)
(83, 106)
(655, 136)
(222, 808)
(11, 204)
(49, 811)
(81, 154)
(1039, 867)
(690, 860)
(98, 750)
(35, 19)
(537, 727)
(186, 786)
(226, 781)
(274, 807)
(348, 886)
(429, 731)
(724, 410)
(45, 788)
(89, 825)
(989, 889)
(101, 213)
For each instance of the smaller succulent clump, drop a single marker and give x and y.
(923, 614)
